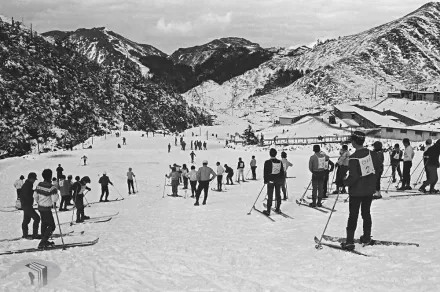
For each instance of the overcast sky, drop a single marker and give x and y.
(171, 24)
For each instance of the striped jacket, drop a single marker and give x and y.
(45, 195)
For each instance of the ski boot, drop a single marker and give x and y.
(196, 204)
(319, 204)
(433, 191)
(347, 246)
(365, 240)
(267, 213)
(36, 236)
(312, 204)
(278, 211)
(85, 218)
(422, 190)
(408, 188)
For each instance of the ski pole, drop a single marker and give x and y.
(420, 177)
(302, 198)
(256, 200)
(318, 245)
(136, 183)
(287, 193)
(417, 167)
(164, 185)
(247, 174)
(59, 226)
(118, 191)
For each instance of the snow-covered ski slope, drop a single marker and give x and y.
(167, 244)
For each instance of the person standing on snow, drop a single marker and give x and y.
(175, 176)
(63, 186)
(59, 171)
(124, 141)
(240, 170)
(286, 165)
(205, 145)
(27, 204)
(45, 196)
(274, 178)
(192, 175)
(425, 157)
(130, 177)
(408, 155)
(204, 178)
(85, 159)
(329, 167)
(220, 172)
(379, 151)
(253, 165)
(104, 180)
(361, 182)
(79, 189)
(192, 154)
(432, 163)
(396, 158)
(192, 145)
(342, 167)
(317, 166)
(230, 173)
(18, 184)
(184, 176)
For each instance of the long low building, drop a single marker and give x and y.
(366, 119)
(415, 133)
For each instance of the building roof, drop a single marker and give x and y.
(371, 116)
(350, 122)
(287, 117)
(423, 128)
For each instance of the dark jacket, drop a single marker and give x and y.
(27, 194)
(229, 171)
(277, 178)
(396, 153)
(60, 170)
(104, 181)
(332, 166)
(240, 164)
(381, 159)
(358, 185)
(432, 155)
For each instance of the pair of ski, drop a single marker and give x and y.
(71, 233)
(57, 246)
(320, 209)
(270, 217)
(100, 219)
(133, 193)
(109, 201)
(175, 196)
(216, 190)
(373, 242)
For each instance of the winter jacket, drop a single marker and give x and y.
(130, 175)
(63, 186)
(253, 162)
(286, 164)
(204, 173)
(45, 195)
(361, 185)
(432, 155)
(27, 194)
(59, 170)
(273, 171)
(408, 153)
(220, 170)
(192, 175)
(318, 162)
(18, 184)
(396, 157)
(240, 165)
(174, 175)
(343, 159)
(184, 172)
(104, 180)
(229, 171)
(381, 159)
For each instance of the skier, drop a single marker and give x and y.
(119, 145)
(220, 172)
(192, 175)
(379, 151)
(408, 155)
(104, 180)
(329, 167)
(204, 178)
(317, 166)
(85, 159)
(191, 144)
(18, 184)
(274, 178)
(174, 175)
(27, 202)
(59, 171)
(286, 165)
(63, 186)
(130, 176)
(175, 141)
(169, 147)
(361, 183)
(79, 189)
(253, 165)
(395, 158)
(184, 175)
(425, 158)
(124, 141)
(74, 187)
(431, 165)
(69, 183)
(342, 167)
(230, 173)
(192, 154)
(240, 170)
(45, 196)
(204, 146)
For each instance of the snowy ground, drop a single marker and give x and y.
(167, 244)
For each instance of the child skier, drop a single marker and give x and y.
(174, 175)
(192, 154)
(45, 196)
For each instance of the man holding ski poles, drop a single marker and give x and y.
(274, 178)
(432, 163)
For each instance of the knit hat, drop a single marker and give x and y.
(205, 162)
(358, 137)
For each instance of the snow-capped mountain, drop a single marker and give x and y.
(105, 46)
(197, 55)
(404, 53)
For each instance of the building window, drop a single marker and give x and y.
(389, 130)
(403, 131)
(419, 133)
(433, 134)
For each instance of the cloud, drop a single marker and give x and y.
(203, 23)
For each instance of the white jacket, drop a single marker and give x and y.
(18, 184)
(220, 170)
(408, 154)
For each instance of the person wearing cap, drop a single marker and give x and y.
(220, 172)
(342, 168)
(395, 158)
(432, 163)
(79, 199)
(130, 176)
(230, 173)
(18, 184)
(318, 163)
(274, 178)
(286, 165)
(27, 204)
(45, 196)
(204, 178)
(240, 170)
(379, 151)
(104, 180)
(408, 155)
(253, 165)
(361, 181)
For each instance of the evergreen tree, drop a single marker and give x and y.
(249, 136)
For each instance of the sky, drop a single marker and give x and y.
(172, 24)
